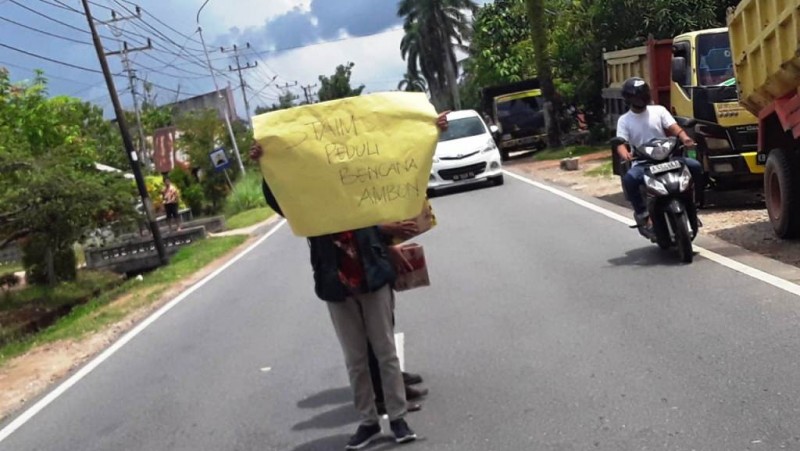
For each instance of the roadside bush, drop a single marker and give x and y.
(246, 195)
(34, 259)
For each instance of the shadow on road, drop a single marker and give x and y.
(338, 417)
(326, 398)
(648, 256)
(324, 444)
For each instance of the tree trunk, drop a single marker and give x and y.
(51, 267)
(452, 78)
(539, 37)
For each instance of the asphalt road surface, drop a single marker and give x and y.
(548, 326)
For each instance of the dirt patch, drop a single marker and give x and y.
(738, 217)
(28, 376)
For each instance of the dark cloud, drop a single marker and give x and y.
(297, 27)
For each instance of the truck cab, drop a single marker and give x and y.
(703, 89)
(516, 110)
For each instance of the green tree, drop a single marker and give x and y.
(412, 83)
(285, 100)
(337, 86)
(432, 30)
(495, 54)
(50, 191)
(202, 132)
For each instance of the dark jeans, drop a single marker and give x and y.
(634, 178)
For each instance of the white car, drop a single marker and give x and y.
(466, 153)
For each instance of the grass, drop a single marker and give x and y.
(101, 310)
(566, 152)
(248, 218)
(606, 169)
(246, 194)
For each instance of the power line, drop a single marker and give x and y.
(45, 32)
(56, 20)
(54, 77)
(94, 71)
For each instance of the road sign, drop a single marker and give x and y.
(219, 159)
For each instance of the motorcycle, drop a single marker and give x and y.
(669, 192)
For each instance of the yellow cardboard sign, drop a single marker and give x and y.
(349, 163)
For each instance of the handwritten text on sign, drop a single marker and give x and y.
(349, 163)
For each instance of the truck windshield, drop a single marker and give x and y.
(714, 63)
(462, 128)
(520, 111)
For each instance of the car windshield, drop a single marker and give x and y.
(520, 113)
(462, 128)
(714, 61)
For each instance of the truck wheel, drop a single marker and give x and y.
(782, 194)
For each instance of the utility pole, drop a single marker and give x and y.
(307, 91)
(219, 93)
(240, 68)
(132, 83)
(126, 137)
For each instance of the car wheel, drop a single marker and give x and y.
(431, 193)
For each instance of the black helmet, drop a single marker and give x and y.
(636, 92)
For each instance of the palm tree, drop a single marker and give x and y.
(432, 29)
(412, 83)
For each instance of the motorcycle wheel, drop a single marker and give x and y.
(661, 230)
(683, 236)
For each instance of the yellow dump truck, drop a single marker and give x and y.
(766, 56)
(691, 75)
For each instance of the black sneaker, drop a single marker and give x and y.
(364, 435)
(402, 433)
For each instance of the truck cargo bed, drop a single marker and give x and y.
(764, 41)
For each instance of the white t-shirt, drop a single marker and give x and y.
(639, 128)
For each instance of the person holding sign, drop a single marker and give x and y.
(354, 272)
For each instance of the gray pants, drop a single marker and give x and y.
(361, 318)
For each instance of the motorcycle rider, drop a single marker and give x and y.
(642, 123)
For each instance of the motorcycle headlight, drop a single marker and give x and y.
(685, 179)
(489, 147)
(654, 185)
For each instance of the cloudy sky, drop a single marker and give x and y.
(293, 41)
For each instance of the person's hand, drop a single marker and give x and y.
(688, 142)
(399, 260)
(403, 229)
(441, 121)
(256, 151)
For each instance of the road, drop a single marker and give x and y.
(548, 326)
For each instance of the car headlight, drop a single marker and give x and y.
(654, 185)
(489, 147)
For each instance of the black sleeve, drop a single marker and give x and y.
(270, 198)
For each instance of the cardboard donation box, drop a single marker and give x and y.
(418, 276)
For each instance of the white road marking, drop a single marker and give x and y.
(400, 344)
(266, 369)
(84, 371)
(765, 277)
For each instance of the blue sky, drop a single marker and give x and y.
(292, 40)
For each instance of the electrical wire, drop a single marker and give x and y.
(45, 32)
(95, 71)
